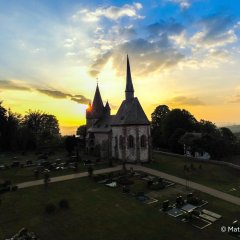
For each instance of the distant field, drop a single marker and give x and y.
(216, 176)
(234, 128)
(98, 212)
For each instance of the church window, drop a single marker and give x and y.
(116, 142)
(130, 141)
(143, 141)
(121, 142)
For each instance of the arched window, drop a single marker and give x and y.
(116, 142)
(121, 142)
(143, 141)
(130, 141)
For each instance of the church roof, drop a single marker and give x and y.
(97, 105)
(130, 113)
(103, 125)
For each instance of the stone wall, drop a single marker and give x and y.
(123, 151)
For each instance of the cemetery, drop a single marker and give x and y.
(188, 209)
(32, 166)
(112, 199)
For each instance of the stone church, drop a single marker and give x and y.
(125, 136)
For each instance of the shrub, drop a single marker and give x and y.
(5, 183)
(5, 189)
(50, 208)
(63, 204)
(14, 188)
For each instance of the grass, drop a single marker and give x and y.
(18, 175)
(219, 177)
(98, 212)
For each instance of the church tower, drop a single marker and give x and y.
(130, 128)
(95, 110)
(129, 92)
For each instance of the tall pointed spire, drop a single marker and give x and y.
(97, 105)
(129, 92)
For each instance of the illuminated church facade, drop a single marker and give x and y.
(125, 136)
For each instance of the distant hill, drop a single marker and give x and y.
(234, 128)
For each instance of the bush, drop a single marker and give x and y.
(63, 204)
(50, 208)
(5, 183)
(14, 188)
(5, 189)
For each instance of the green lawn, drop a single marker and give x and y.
(98, 212)
(18, 175)
(216, 176)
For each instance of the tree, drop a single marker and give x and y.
(70, 144)
(44, 127)
(227, 135)
(178, 118)
(207, 127)
(12, 130)
(3, 121)
(174, 144)
(82, 131)
(158, 116)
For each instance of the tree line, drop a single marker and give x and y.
(34, 130)
(171, 129)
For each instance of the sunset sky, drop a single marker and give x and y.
(183, 53)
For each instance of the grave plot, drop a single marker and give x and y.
(155, 183)
(175, 212)
(197, 222)
(209, 216)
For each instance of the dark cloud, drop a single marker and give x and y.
(58, 94)
(217, 29)
(154, 52)
(7, 84)
(54, 93)
(151, 56)
(216, 25)
(187, 101)
(163, 27)
(80, 99)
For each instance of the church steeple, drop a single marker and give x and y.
(129, 92)
(97, 108)
(97, 101)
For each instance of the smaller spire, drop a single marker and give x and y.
(107, 108)
(107, 105)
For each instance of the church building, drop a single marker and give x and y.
(125, 136)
